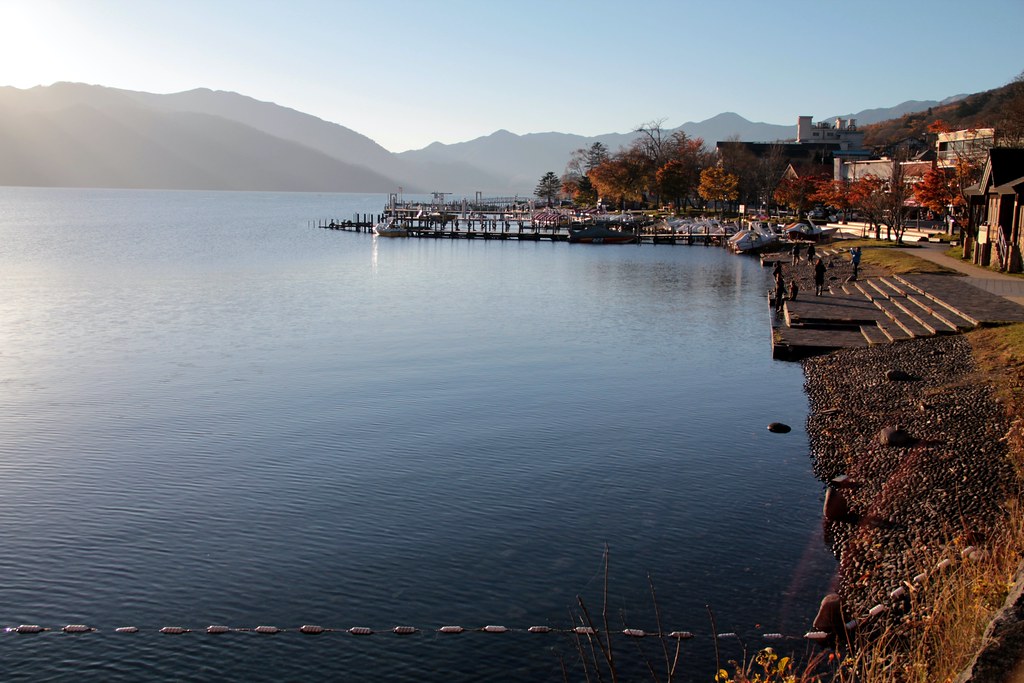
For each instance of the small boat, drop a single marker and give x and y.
(809, 232)
(604, 232)
(754, 239)
(390, 228)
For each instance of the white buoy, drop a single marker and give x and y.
(174, 630)
(772, 636)
(28, 628)
(876, 610)
(898, 593)
(816, 635)
(217, 629)
(680, 635)
(404, 630)
(634, 632)
(451, 629)
(361, 631)
(271, 630)
(311, 629)
(539, 629)
(584, 630)
(126, 629)
(495, 629)
(78, 628)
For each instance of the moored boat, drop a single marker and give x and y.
(390, 228)
(604, 232)
(754, 239)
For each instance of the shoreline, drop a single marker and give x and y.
(911, 505)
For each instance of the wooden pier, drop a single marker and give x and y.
(506, 230)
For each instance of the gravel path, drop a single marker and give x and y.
(911, 504)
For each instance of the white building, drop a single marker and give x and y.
(843, 131)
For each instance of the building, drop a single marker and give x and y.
(972, 143)
(996, 204)
(816, 143)
(843, 132)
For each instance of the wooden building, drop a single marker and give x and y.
(997, 208)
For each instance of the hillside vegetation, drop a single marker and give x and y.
(1001, 108)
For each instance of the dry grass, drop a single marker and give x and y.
(900, 262)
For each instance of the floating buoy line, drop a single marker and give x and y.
(897, 595)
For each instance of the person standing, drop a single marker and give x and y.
(810, 253)
(819, 277)
(780, 290)
(796, 253)
(855, 260)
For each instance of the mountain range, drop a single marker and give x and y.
(77, 135)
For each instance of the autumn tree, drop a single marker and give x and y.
(622, 178)
(575, 180)
(898, 190)
(937, 191)
(834, 193)
(718, 185)
(549, 187)
(867, 195)
(739, 160)
(796, 192)
(677, 179)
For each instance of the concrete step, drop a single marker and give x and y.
(874, 335)
(927, 316)
(899, 317)
(944, 308)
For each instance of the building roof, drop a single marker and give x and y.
(1003, 172)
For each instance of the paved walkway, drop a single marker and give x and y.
(1008, 286)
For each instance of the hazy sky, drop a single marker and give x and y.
(410, 72)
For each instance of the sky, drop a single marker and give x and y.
(407, 73)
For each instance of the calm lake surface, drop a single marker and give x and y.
(213, 412)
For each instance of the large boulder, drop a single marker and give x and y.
(830, 615)
(895, 436)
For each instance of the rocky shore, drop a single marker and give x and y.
(922, 444)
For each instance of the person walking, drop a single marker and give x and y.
(855, 260)
(796, 253)
(819, 277)
(810, 253)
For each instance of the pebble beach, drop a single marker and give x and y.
(922, 445)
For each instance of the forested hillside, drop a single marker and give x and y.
(1001, 108)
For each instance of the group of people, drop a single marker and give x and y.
(819, 274)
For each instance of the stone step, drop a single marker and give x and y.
(874, 335)
(908, 323)
(940, 323)
(942, 317)
(943, 307)
(926, 316)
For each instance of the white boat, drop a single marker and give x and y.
(808, 231)
(390, 228)
(755, 238)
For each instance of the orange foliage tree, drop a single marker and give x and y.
(718, 185)
(796, 192)
(936, 191)
(835, 193)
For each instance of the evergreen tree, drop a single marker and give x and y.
(549, 187)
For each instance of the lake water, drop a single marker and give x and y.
(213, 412)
